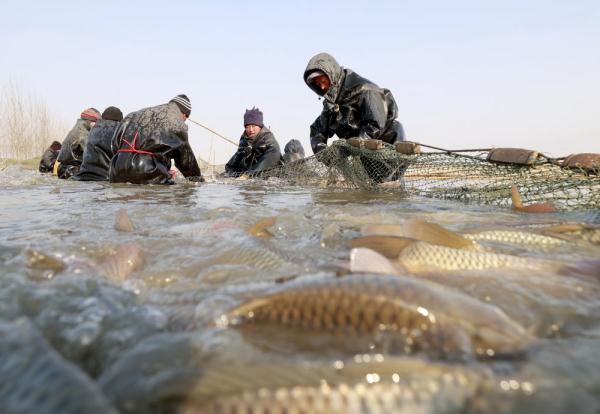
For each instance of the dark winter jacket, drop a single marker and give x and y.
(71, 153)
(255, 154)
(98, 152)
(49, 157)
(145, 143)
(352, 107)
(293, 151)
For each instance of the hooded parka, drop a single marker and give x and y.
(352, 107)
(71, 152)
(98, 152)
(145, 143)
(254, 154)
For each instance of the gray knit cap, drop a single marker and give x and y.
(184, 104)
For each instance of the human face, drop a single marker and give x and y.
(322, 82)
(251, 130)
(183, 117)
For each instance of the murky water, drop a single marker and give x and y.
(154, 340)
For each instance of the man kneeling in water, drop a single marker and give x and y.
(147, 141)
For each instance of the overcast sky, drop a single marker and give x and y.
(464, 73)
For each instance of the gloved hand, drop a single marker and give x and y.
(247, 151)
(319, 147)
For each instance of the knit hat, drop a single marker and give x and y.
(184, 104)
(90, 114)
(55, 146)
(112, 113)
(253, 117)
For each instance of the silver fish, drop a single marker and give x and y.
(367, 384)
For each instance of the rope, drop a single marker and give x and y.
(454, 151)
(214, 132)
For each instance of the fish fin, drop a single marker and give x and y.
(435, 234)
(123, 222)
(127, 259)
(388, 246)
(363, 259)
(532, 208)
(384, 230)
(421, 230)
(260, 228)
(516, 198)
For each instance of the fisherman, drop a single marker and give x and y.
(98, 151)
(293, 151)
(71, 152)
(148, 139)
(353, 107)
(49, 157)
(258, 149)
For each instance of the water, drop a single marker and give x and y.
(149, 341)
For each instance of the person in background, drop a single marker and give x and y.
(352, 105)
(293, 151)
(98, 151)
(71, 152)
(49, 158)
(258, 149)
(147, 141)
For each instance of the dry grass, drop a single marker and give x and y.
(26, 126)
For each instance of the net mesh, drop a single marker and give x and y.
(444, 175)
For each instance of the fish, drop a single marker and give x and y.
(420, 257)
(517, 204)
(253, 253)
(521, 238)
(366, 384)
(573, 231)
(34, 378)
(421, 230)
(396, 313)
(260, 228)
(123, 222)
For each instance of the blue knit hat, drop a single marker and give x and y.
(253, 117)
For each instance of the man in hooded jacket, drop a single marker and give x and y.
(147, 141)
(98, 151)
(258, 149)
(352, 105)
(71, 152)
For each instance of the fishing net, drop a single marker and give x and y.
(483, 178)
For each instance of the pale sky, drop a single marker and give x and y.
(470, 74)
